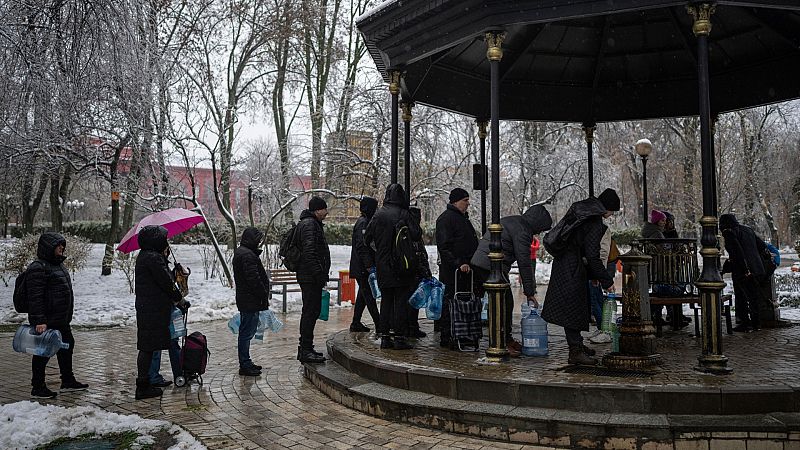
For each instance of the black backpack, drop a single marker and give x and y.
(289, 250)
(557, 239)
(21, 289)
(404, 253)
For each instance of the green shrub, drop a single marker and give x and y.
(626, 236)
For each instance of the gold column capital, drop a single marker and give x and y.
(589, 134)
(407, 106)
(494, 44)
(482, 128)
(702, 18)
(394, 82)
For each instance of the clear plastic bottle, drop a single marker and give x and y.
(609, 310)
(46, 344)
(534, 333)
(178, 327)
(615, 335)
(485, 308)
(373, 286)
(326, 305)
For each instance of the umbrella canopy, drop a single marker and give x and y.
(586, 61)
(175, 220)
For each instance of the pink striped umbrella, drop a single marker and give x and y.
(175, 220)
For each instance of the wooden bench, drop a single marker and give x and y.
(693, 301)
(284, 278)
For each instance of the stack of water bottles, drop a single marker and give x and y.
(534, 332)
(47, 344)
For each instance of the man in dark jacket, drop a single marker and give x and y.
(312, 274)
(456, 242)
(50, 305)
(516, 237)
(744, 263)
(397, 283)
(362, 263)
(252, 294)
(156, 294)
(567, 299)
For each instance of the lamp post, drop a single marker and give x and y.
(643, 148)
(74, 206)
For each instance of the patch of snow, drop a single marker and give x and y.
(28, 424)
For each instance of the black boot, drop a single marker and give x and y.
(386, 342)
(400, 343)
(145, 390)
(578, 357)
(308, 356)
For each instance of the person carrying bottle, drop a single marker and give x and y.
(518, 231)
(156, 379)
(392, 232)
(423, 273)
(252, 295)
(50, 306)
(456, 242)
(156, 294)
(362, 261)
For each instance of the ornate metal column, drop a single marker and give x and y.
(588, 130)
(637, 340)
(482, 136)
(407, 105)
(394, 89)
(496, 285)
(710, 283)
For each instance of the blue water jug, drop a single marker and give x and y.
(326, 305)
(534, 334)
(485, 308)
(46, 344)
(433, 310)
(373, 286)
(234, 322)
(177, 328)
(267, 322)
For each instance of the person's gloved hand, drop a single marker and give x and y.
(372, 269)
(183, 305)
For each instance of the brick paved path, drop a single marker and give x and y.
(280, 409)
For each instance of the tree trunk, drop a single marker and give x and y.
(56, 202)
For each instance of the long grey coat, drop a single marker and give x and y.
(567, 300)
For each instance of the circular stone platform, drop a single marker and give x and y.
(542, 400)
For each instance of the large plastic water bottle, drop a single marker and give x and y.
(615, 335)
(534, 333)
(485, 308)
(177, 327)
(373, 286)
(45, 344)
(609, 310)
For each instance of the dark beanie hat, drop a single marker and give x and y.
(609, 199)
(316, 203)
(458, 194)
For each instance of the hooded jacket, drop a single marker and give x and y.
(516, 239)
(744, 248)
(362, 256)
(252, 281)
(156, 292)
(652, 231)
(567, 300)
(315, 256)
(456, 242)
(50, 298)
(380, 234)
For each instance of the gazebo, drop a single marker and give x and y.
(588, 61)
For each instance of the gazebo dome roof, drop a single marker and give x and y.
(586, 61)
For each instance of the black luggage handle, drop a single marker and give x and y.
(471, 283)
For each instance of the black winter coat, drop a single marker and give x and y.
(567, 300)
(744, 248)
(315, 256)
(156, 292)
(516, 239)
(652, 231)
(49, 287)
(456, 242)
(380, 234)
(252, 281)
(362, 256)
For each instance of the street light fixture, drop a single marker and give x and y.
(643, 148)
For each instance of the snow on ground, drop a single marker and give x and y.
(104, 301)
(36, 424)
